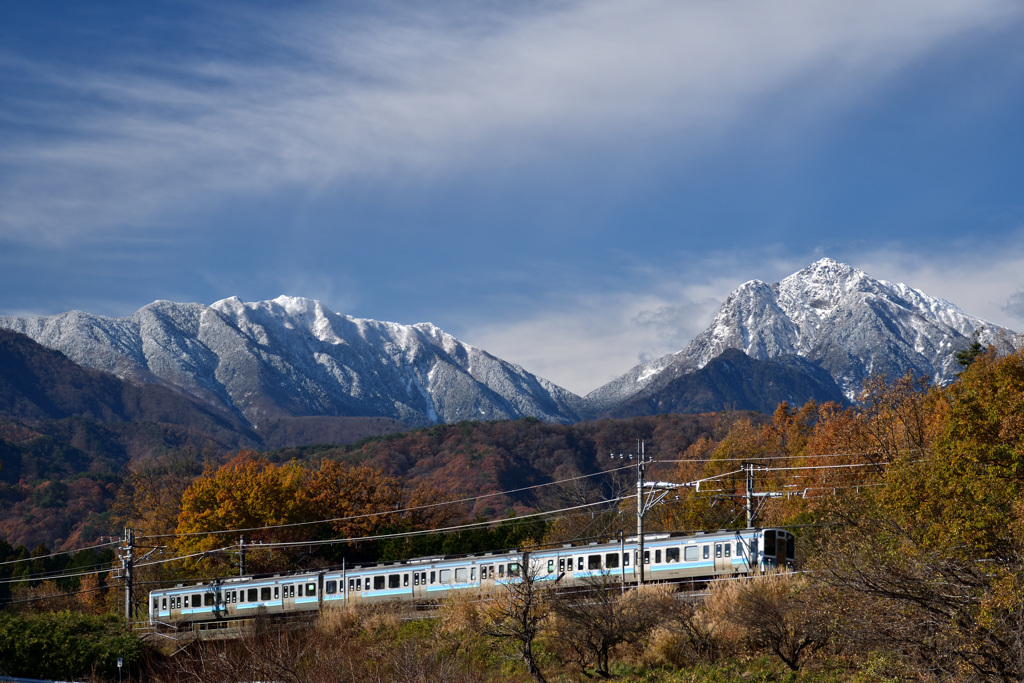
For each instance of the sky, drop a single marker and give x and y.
(574, 186)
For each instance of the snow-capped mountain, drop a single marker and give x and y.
(833, 315)
(293, 356)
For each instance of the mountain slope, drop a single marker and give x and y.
(37, 383)
(735, 381)
(294, 357)
(832, 315)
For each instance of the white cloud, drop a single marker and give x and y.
(584, 341)
(414, 95)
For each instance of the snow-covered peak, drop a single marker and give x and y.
(833, 315)
(294, 356)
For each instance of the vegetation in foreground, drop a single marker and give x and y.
(915, 559)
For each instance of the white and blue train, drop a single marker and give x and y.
(667, 557)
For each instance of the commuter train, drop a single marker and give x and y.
(667, 557)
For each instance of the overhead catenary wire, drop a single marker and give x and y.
(398, 511)
(402, 534)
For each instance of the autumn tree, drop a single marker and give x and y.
(596, 619)
(248, 494)
(359, 500)
(777, 612)
(934, 560)
(517, 615)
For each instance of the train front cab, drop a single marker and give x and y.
(779, 549)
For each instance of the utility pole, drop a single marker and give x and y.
(126, 569)
(750, 504)
(656, 493)
(749, 467)
(241, 556)
(641, 466)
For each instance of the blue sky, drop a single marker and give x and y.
(573, 186)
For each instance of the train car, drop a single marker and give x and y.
(666, 558)
(237, 598)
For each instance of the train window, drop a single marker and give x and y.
(208, 600)
(472, 573)
(625, 559)
(647, 557)
(691, 553)
(351, 585)
(513, 569)
(252, 595)
(611, 560)
(359, 584)
(551, 566)
(394, 580)
(753, 548)
(739, 549)
(501, 571)
(769, 542)
(728, 549)
(432, 577)
(718, 550)
(300, 590)
(310, 589)
(378, 583)
(593, 561)
(460, 575)
(657, 556)
(331, 587)
(561, 565)
(707, 552)
(163, 603)
(579, 565)
(265, 593)
(416, 578)
(790, 547)
(277, 592)
(671, 554)
(445, 576)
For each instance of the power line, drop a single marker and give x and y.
(403, 534)
(389, 512)
(58, 554)
(53, 576)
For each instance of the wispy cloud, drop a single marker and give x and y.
(409, 95)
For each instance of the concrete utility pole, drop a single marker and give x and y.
(656, 493)
(641, 465)
(126, 569)
(241, 556)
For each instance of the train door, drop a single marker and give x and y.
(288, 593)
(723, 558)
(419, 584)
(487, 574)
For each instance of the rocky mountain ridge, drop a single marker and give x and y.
(292, 356)
(825, 328)
(836, 317)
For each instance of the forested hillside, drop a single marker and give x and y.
(906, 506)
